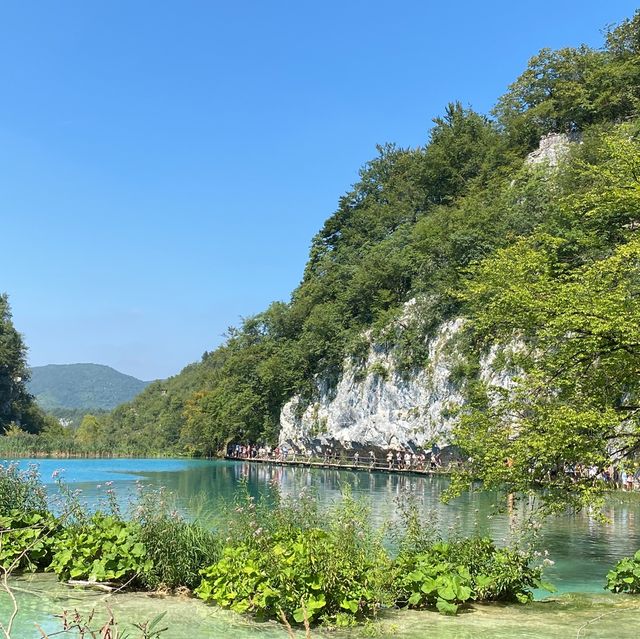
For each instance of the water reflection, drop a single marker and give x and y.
(582, 548)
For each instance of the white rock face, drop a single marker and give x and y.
(552, 148)
(375, 405)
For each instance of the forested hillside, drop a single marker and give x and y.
(465, 224)
(83, 386)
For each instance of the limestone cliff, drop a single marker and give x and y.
(375, 404)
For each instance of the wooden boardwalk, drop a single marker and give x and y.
(378, 467)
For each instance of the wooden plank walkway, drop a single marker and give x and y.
(377, 467)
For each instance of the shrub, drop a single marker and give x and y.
(177, 549)
(291, 557)
(26, 540)
(105, 548)
(449, 574)
(21, 490)
(308, 574)
(625, 575)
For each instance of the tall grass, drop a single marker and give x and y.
(21, 490)
(178, 549)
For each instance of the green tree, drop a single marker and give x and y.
(571, 312)
(16, 405)
(88, 434)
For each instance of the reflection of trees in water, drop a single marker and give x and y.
(583, 548)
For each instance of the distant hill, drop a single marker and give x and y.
(83, 386)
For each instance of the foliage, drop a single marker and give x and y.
(26, 540)
(625, 575)
(105, 548)
(21, 490)
(309, 572)
(567, 300)
(328, 565)
(176, 549)
(448, 574)
(16, 404)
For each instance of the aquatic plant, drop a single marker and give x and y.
(26, 540)
(310, 571)
(176, 549)
(333, 570)
(449, 574)
(21, 490)
(625, 575)
(106, 549)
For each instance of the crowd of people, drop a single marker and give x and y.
(620, 476)
(408, 460)
(391, 459)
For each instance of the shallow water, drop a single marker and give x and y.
(584, 616)
(582, 549)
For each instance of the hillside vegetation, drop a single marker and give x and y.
(82, 386)
(412, 226)
(464, 224)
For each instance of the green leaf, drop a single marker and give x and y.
(446, 608)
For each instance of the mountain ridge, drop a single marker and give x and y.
(82, 385)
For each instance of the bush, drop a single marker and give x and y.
(625, 575)
(177, 549)
(26, 540)
(105, 548)
(291, 557)
(449, 574)
(21, 490)
(308, 575)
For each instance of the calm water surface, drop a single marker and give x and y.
(582, 549)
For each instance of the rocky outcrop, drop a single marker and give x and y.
(375, 405)
(552, 148)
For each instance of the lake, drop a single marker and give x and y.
(582, 548)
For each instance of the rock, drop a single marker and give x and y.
(552, 148)
(376, 406)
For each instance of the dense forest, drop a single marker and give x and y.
(466, 226)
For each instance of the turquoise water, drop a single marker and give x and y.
(582, 549)
(41, 597)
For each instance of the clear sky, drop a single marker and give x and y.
(165, 164)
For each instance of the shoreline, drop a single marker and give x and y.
(378, 467)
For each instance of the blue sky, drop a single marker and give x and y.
(164, 165)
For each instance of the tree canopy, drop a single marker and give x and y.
(17, 408)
